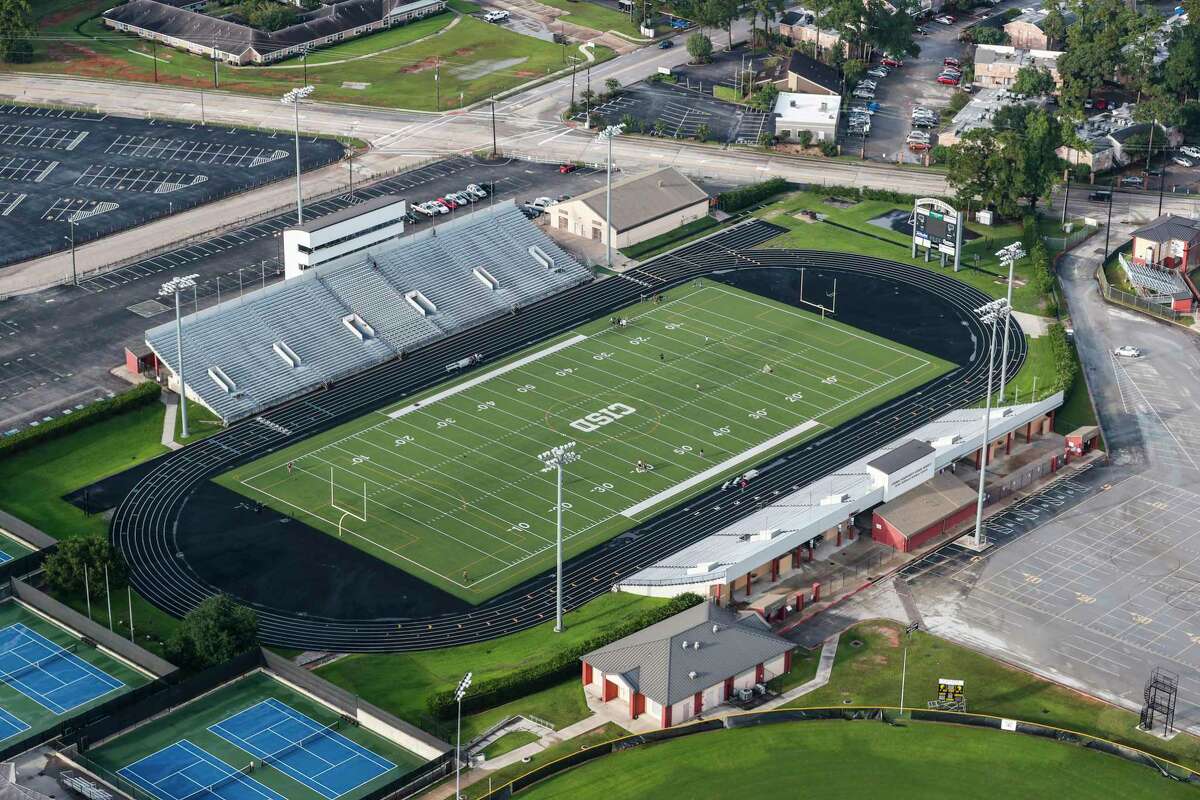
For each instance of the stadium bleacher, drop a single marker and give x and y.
(273, 344)
(1154, 283)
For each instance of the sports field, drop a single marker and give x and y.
(254, 739)
(688, 393)
(47, 675)
(860, 759)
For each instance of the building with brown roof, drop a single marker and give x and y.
(643, 207)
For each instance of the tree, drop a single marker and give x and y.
(612, 86)
(700, 48)
(267, 15)
(728, 12)
(1054, 25)
(970, 164)
(16, 28)
(890, 30)
(65, 568)
(213, 632)
(1094, 45)
(853, 72)
(989, 35)
(1181, 70)
(764, 98)
(702, 132)
(1033, 82)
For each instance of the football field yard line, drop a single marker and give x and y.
(739, 385)
(462, 387)
(718, 469)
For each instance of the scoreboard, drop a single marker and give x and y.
(936, 230)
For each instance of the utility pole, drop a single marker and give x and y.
(174, 287)
(216, 78)
(608, 134)
(304, 54)
(437, 84)
(554, 460)
(463, 685)
(154, 57)
(1112, 190)
(293, 97)
(989, 314)
(1067, 198)
(904, 668)
(574, 63)
(1008, 256)
(202, 107)
(74, 274)
(493, 126)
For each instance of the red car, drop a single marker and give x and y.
(447, 202)
(889, 61)
(1101, 104)
(563, 169)
(951, 62)
(947, 80)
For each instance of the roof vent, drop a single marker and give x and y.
(716, 628)
(692, 674)
(684, 644)
(696, 645)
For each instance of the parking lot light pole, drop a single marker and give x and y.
(463, 685)
(174, 287)
(989, 315)
(555, 459)
(608, 134)
(293, 97)
(1008, 256)
(74, 274)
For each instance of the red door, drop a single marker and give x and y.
(610, 690)
(698, 702)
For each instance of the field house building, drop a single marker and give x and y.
(904, 496)
(1171, 242)
(176, 24)
(643, 207)
(692, 662)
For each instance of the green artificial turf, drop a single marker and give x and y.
(191, 722)
(400, 682)
(859, 759)
(699, 387)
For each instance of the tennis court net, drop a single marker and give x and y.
(32, 666)
(224, 780)
(302, 743)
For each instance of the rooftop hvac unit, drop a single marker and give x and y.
(696, 645)
(684, 643)
(716, 627)
(692, 674)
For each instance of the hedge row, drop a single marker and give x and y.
(1066, 364)
(755, 193)
(493, 692)
(141, 395)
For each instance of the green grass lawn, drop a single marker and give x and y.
(560, 705)
(870, 675)
(192, 722)
(474, 59)
(596, 17)
(33, 482)
(400, 682)
(448, 486)
(55, 679)
(873, 240)
(605, 733)
(671, 239)
(839, 759)
(202, 423)
(509, 742)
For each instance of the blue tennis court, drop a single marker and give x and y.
(48, 674)
(315, 755)
(5, 557)
(10, 725)
(183, 771)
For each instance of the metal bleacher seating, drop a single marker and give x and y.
(1154, 282)
(248, 343)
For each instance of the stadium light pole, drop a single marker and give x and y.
(555, 459)
(904, 668)
(989, 314)
(174, 287)
(1008, 255)
(463, 685)
(293, 98)
(607, 135)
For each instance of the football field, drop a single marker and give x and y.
(689, 392)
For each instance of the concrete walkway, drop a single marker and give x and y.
(171, 401)
(824, 670)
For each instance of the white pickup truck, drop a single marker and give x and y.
(495, 16)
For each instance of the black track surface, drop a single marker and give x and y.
(186, 538)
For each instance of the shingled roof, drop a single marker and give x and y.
(720, 644)
(645, 198)
(1169, 227)
(815, 72)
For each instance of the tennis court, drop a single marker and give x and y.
(50, 675)
(315, 755)
(183, 771)
(10, 725)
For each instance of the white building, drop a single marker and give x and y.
(642, 207)
(351, 230)
(815, 113)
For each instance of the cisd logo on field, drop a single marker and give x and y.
(597, 419)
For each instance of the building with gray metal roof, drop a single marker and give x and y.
(693, 661)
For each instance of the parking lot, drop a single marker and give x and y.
(57, 346)
(105, 173)
(683, 111)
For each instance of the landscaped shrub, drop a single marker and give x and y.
(491, 692)
(141, 395)
(755, 193)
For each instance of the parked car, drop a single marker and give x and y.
(666, 44)
(944, 19)
(424, 209)
(918, 147)
(891, 61)
(957, 73)
(878, 72)
(447, 202)
(1183, 161)
(951, 62)
(563, 169)
(495, 16)
(1089, 102)
(477, 190)
(1101, 104)
(1127, 351)
(542, 202)
(464, 198)
(864, 94)
(947, 80)
(1132, 180)
(868, 83)
(1189, 150)
(1100, 197)
(921, 30)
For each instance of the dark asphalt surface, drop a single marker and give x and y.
(151, 522)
